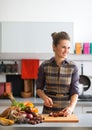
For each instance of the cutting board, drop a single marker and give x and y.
(70, 118)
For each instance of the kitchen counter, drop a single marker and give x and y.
(85, 123)
(85, 119)
(36, 101)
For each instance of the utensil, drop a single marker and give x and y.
(84, 80)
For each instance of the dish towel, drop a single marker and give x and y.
(29, 68)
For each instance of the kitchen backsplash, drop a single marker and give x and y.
(87, 68)
(86, 71)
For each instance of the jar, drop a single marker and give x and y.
(78, 48)
(90, 48)
(86, 48)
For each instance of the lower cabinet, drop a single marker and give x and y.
(83, 107)
(87, 108)
(40, 108)
(78, 109)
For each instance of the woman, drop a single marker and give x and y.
(57, 82)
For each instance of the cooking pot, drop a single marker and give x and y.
(2, 67)
(8, 68)
(84, 82)
(14, 68)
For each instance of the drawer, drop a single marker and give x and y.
(87, 109)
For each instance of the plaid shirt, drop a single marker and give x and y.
(55, 79)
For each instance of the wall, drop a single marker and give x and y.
(77, 11)
(0, 36)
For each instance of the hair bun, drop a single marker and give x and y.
(54, 35)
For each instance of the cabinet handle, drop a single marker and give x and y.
(88, 111)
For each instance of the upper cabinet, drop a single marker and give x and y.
(0, 36)
(33, 40)
(32, 37)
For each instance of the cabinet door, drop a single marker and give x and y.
(87, 109)
(78, 109)
(40, 108)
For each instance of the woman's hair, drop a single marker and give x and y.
(59, 36)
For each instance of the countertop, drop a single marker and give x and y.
(85, 120)
(36, 101)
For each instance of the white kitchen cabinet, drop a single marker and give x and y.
(87, 108)
(27, 34)
(78, 108)
(40, 108)
(83, 107)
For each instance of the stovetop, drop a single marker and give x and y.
(85, 97)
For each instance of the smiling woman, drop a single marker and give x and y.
(29, 37)
(57, 82)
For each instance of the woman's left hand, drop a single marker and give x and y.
(67, 111)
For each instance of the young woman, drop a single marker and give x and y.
(58, 78)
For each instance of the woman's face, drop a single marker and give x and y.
(62, 49)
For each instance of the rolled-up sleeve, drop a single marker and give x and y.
(74, 89)
(40, 82)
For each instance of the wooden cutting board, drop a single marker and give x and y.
(70, 118)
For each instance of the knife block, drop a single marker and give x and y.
(28, 88)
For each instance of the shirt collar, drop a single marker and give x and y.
(66, 61)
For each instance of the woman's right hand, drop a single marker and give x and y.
(48, 102)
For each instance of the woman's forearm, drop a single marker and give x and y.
(47, 100)
(73, 101)
(69, 109)
(41, 94)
